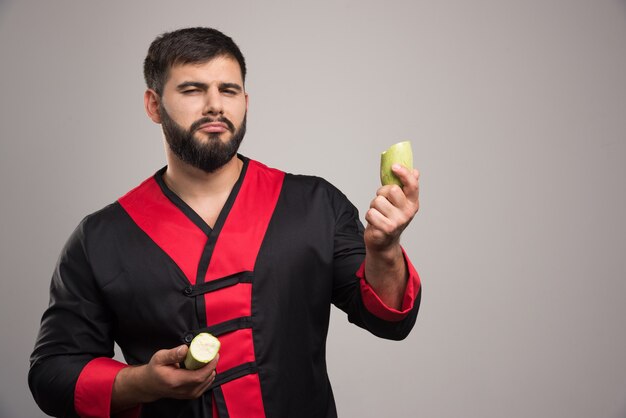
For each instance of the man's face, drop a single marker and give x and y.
(203, 112)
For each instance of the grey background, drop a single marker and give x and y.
(517, 114)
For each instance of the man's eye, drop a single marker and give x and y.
(190, 91)
(230, 92)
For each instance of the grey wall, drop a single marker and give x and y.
(517, 114)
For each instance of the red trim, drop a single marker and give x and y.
(377, 307)
(236, 250)
(236, 348)
(245, 393)
(238, 305)
(239, 241)
(166, 225)
(92, 394)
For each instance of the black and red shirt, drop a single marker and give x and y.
(148, 273)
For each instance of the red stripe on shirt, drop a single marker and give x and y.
(166, 225)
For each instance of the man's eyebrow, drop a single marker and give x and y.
(186, 84)
(234, 86)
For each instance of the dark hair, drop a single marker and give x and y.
(187, 46)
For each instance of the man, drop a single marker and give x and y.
(216, 242)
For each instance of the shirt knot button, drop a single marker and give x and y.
(187, 290)
(188, 337)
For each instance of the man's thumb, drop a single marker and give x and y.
(180, 353)
(171, 356)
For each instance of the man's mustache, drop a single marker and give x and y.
(197, 124)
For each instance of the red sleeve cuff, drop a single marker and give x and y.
(377, 307)
(92, 395)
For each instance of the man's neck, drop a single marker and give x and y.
(194, 185)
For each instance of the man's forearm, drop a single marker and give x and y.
(387, 273)
(389, 214)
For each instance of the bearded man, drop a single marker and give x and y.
(217, 242)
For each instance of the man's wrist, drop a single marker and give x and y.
(387, 257)
(130, 389)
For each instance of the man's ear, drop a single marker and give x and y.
(152, 103)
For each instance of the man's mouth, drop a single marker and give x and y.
(213, 127)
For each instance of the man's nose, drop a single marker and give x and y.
(213, 103)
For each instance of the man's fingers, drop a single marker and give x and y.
(213, 363)
(409, 179)
(391, 201)
(409, 189)
(383, 205)
(378, 221)
(210, 366)
(394, 194)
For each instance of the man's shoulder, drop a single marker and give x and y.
(311, 188)
(113, 214)
(302, 180)
(102, 219)
(304, 183)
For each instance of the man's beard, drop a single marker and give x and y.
(207, 156)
